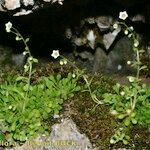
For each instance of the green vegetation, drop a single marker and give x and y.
(130, 104)
(25, 106)
(103, 109)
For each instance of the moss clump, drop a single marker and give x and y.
(99, 125)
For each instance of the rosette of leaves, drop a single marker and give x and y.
(129, 106)
(24, 111)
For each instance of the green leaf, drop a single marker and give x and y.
(21, 78)
(127, 121)
(25, 88)
(121, 116)
(134, 121)
(35, 60)
(13, 127)
(2, 137)
(58, 77)
(125, 142)
(143, 67)
(141, 51)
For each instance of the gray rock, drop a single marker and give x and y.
(12, 4)
(22, 12)
(18, 59)
(28, 2)
(64, 136)
(8, 57)
(1, 5)
(5, 54)
(118, 57)
(110, 37)
(103, 22)
(100, 61)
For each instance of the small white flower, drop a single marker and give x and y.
(119, 67)
(73, 75)
(126, 32)
(136, 43)
(10, 107)
(131, 28)
(129, 36)
(25, 53)
(112, 141)
(55, 54)
(61, 62)
(129, 62)
(122, 93)
(128, 111)
(65, 61)
(25, 66)
(17, 38)
(115, 26)
(8, 26)
(114, 112)
(30, 58)
(123, 15)
(131, 79)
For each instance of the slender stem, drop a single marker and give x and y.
(25, 43)
(134, 102)
(16, 32)
(138, 65)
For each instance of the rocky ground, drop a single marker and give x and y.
(86, 129)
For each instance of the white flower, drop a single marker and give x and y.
(18, 38)
(131, 79)
(126, 32)
(8, 26)
(25, 66)
(114, 112)
(73, 75)
(25, 52)
(115, 26)
(131, 28)
(112, 141)
(119, 67)
(55, 54)
(61, 62)
(122, 93)
(65, 61)
(123, 15)
(129, 36)
(128, 111)
(136, 43)
(30, 58)
(10, 107)
(129, 62)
